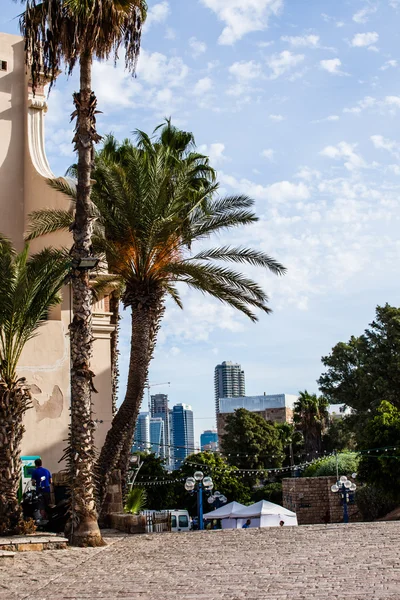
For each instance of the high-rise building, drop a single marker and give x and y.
(141, 438)
(159, 410)
(157, 441)
(209, 440)
(183, 427)
(228, 382)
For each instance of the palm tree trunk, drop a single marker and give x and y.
(116, 449)
(115, 319)
(81, 452)
(14, 402)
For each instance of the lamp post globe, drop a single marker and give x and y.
(198, 476)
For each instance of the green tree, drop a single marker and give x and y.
(311, 417)
(59, 32)
(347, 463)
(29, 288)
(340, 435)
(159, 497)
(154, 214)
(251, 442)
(366, 370)
(381, 468)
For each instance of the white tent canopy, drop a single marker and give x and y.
(224, 512)
(264, 514)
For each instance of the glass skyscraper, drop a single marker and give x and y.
(183, 428)
(209, 440)
(157, 441)
(159, 410)
(141, 438)
(228, 382)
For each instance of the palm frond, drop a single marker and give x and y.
(242, 255)
(45, 221)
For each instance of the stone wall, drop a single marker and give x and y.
(313, 502)
(128, 523)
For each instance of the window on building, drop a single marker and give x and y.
(3, 65)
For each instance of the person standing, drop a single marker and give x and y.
(247, 524)
(42, 480)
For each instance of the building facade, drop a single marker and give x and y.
(276, 407)
(157, 440)
(141, 437)
(183, 427)
(159, 410)
(229, 382)
(45, 362)
(209, 440)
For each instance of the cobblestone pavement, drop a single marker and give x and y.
(357, 562)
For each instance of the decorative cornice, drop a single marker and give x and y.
(37, 104)
(37, 108)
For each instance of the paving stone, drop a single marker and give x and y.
(352, 562)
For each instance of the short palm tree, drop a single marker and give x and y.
(149, 216)
(61, 32)
(311, 418)
(29, 288)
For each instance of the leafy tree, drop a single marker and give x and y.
(340, 435)
(292, 443)
(29, 288)
(159, 497)
(59, 32)
(381, 468)
(347, 465)
(251, 442)
(154, 214)
(375, 502)
(311, 417)
(366, 370)
(271, 492)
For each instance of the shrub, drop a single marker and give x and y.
(135, 501)
(271, 492)
(347, 461)
(373, 502)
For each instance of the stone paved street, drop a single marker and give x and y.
(357, 562)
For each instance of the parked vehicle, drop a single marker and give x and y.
(179, 520)
(33, 507)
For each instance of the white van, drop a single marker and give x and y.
(179, 520)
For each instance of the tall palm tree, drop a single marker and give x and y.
(68, 31)
(149, 216)
(29, 288)
(311, 417)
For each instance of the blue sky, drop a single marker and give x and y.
(297, 104)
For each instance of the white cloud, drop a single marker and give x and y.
(332, 65)
(203, 86)
(268, 153)
(281, 191)
(157, 69)
(361, 40)
(361, 16)
(198, 48)
(215, 152)
(302, 41)
(283, 62)
(276, 118)
(393, 101)
(345, 151)
(241, 18)
(157, 13)
(389, 64)
(245, 71)
(382, 143)
(366, 102)
(330, 118)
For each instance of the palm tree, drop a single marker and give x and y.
(68, 31)
(148, 217)
(311, 417)
(29, 288)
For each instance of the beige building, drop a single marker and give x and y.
(46, 359)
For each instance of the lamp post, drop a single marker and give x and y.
(217, 499)
(196, 485)
(346, 488)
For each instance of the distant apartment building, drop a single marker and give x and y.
(159, 410)
(277, 408)
(228, 382)
(141, 437)
(209, 440)
(183, 433)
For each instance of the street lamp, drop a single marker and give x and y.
(346, 488)
(195, 485)
(217, 499)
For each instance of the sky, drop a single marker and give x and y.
(297, 104)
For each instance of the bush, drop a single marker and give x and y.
(135, 501)
(373, 502)
(271, 492)
(348, 464)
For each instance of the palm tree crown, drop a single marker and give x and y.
(60, 31)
